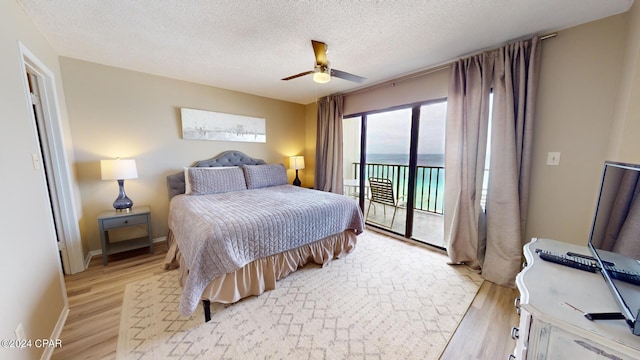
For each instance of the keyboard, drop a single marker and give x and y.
(623, 275)
(586, 264)
(570, 261)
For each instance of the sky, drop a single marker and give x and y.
(389, 132)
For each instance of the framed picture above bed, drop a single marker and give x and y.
(209, 125)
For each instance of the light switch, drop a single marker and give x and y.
(553, 158)
(36, 161)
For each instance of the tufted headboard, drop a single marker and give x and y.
(175, 182)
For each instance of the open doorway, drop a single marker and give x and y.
(40, 91)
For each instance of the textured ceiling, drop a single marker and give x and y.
(249, 45)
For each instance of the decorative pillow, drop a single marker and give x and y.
(259, 176)
(213, 180)
(187, 187)
(187, 183)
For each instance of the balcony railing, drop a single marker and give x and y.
(429, 183)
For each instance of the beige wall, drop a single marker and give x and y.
(120, 113)
(624, 144)
(579, 82)
(430, 86)
(310, 116)
(30, 272)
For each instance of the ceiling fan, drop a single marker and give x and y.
(322, 72)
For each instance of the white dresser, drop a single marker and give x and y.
(552, 303)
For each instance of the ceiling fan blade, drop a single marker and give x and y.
(347, 76)
(298, 75)
(320, 50)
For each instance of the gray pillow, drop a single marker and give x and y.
(204, 180)
(259, 176)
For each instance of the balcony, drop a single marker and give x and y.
(428, 210)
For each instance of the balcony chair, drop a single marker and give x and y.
(381, 192)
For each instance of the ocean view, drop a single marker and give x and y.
(429, 177)
(435, 160)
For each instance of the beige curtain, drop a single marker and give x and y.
(513, 72)
(515, 87)
(328, 170)
(466, 139)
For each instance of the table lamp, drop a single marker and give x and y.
(296, 163)
(119, 169)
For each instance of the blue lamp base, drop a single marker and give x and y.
(296, 181)
(122, 203)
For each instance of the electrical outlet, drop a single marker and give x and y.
(20, 335)
(553, 158)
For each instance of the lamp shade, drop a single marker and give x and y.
(118, 169)
(296, 162)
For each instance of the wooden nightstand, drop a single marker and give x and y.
(110, 220)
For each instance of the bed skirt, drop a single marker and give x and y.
(261, 275)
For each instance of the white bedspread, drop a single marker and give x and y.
(220, 233)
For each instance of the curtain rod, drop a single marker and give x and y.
(548, 36)
(428, 71)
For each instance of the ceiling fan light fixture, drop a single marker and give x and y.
(321, 75)
(322, 71)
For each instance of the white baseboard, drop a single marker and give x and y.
(91, 254)
(57, 331)
(98, 252)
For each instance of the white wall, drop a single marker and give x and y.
(30, 272)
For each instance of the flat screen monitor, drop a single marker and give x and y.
(615, 236)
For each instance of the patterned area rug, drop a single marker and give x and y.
(386, 300)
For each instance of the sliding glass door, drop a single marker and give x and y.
(402, 178)
(386, 165)
(428, 224)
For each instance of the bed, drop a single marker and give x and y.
(236, 226)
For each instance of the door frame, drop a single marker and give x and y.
(62, 181)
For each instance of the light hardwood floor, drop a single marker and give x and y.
(95, 300)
